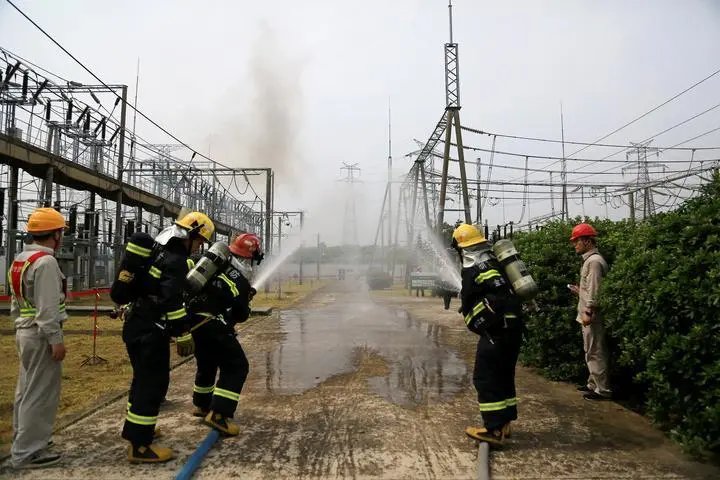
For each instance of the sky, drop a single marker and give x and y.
(304, 86)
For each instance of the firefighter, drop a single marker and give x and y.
(492, 311)
(38, 312)
(224, 302)
(156, 315)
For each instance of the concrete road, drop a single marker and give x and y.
(352, 386)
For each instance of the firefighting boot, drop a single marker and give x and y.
(494, 438)
(221, 424)
(507, 430)
(149, 454)
(200, 412)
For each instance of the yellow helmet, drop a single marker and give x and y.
(468, 235)
(198, 222)
(44, 220)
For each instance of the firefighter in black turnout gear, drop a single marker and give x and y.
(156, 312)
(223, 302)
(492, 311)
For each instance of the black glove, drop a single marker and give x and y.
(252, 293)
(196, 302)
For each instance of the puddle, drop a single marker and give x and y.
(322, 342)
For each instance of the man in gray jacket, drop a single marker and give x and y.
(592, 273)
(38, 310)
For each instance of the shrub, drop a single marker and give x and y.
(661, 298)
(660, 301)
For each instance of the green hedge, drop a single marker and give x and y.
(661, 302)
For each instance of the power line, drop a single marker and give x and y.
(576, 172)
(663, 132)
(648, 112)
(636, 119)
(551, 157)
(548, 140)
(660, 151)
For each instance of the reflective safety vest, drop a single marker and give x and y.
(15, 280)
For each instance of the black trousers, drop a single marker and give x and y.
(149, 351)
(494, 375)
(217, 347)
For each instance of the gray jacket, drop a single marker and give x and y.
(592, 273)
(43, 289)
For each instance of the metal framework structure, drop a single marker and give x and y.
(643, 199)
(65, 144)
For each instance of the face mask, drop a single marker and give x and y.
(475, 255)
(243, 266)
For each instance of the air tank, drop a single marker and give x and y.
(515, 269)
(212, 261)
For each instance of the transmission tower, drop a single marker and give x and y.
(643, 201)
(452, 112)
(350, 233)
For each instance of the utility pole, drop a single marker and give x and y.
(389, 186)
(452, 112)
(279, 273)
(350, 222)
(478, 214)
(268, 210)
(563, 174)
(12, 218)
(302, 247)
(119, 198)
(319, 256)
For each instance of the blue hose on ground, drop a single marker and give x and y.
(196, 458)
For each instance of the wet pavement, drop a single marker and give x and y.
(350, 385)
(320, 343)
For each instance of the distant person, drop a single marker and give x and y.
(593, 271)
(38, 311)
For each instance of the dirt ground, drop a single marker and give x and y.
(352, 385)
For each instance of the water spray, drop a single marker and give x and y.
(276, 261)
(447, 270)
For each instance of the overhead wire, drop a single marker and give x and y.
(547, 140)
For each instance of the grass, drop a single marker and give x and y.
(84, 386)
(291, 292)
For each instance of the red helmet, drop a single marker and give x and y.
(583, 230)
(246, 245)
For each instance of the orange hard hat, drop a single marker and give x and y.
(246, 245)
(583, 230)
(44, 220)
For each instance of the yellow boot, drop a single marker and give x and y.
(495, 438)
(149, 454)
(200, 412)
(221, 424)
